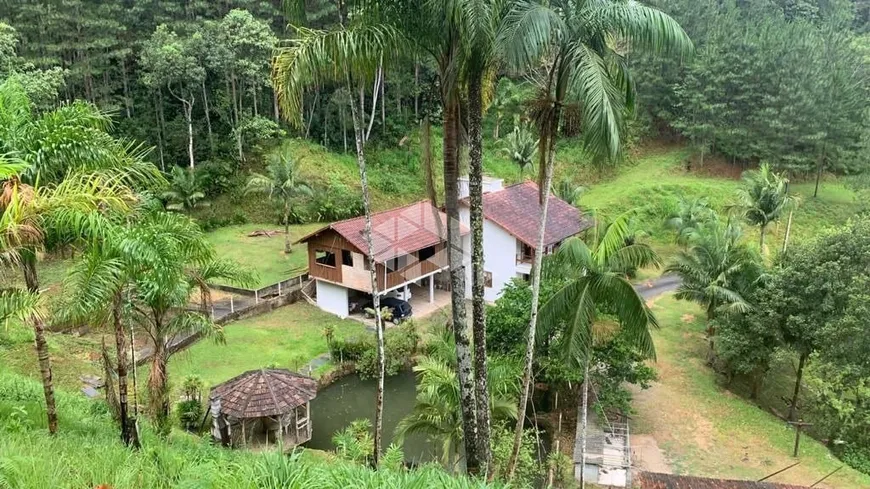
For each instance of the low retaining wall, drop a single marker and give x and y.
(266, 305)
(266, 291)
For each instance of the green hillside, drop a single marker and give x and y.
(87, 453)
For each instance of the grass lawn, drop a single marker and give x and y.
(705, 429)
(288, 337)
(71, 356)
(265, 255)
(656, 180)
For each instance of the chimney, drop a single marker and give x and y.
(490, 184)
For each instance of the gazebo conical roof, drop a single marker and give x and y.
(264, 392)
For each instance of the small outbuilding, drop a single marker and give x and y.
(262, 408)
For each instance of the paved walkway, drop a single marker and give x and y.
(653, 288)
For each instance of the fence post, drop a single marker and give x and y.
(256, 297)
(279, 289)
(232, 305)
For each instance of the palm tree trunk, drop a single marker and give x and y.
(31, 279)
(158, 392)
(792, 410)
(478, 314)
(376, 300)
(287, 249)
(457, 283)
(761, 237)
(536, 286)
(127, 434)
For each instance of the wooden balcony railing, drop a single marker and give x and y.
(414, 270)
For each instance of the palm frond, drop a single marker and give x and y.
(317, 57)
(528, 31)
(19, 304)
(603, 103)
(646, 28)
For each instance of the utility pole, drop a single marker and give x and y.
(798, 425)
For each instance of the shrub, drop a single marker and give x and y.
(400, 344)
(334, 203)
(216, 176)
(350, 349)
(528, 470)
(354, 443)
(190, 409)
(190, 414)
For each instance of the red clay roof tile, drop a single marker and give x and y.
(395, 232)
(517, 209)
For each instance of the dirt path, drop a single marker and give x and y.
(647, 456)
(687, 424)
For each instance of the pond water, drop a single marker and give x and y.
(351, 398)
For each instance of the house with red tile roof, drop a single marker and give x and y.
(510, 230)
(409, 251)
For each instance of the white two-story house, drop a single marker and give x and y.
(510, 230)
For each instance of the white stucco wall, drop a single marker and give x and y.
(332, 298)
(499, 256)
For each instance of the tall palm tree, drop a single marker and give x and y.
(717, 269)
(584, 68)
(596, 282)
(478, 22)
(763, 197)
(282, 185)
(520, 146)
(349, 55)
(71, 174)
(166, 258)
(98, 284)
(436, 411)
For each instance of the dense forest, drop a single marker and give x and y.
(782, 81)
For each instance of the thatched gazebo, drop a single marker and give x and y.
(259, 408)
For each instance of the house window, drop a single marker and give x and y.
(426, 253)
(487, 279)
(346, 258)
(325, 258)
(527, 254)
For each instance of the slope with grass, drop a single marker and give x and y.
(657, 177)
(705, 429)
(288, 337)
(87, 452)
(263, 255)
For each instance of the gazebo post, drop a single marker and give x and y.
(244, 436)
(296, 423)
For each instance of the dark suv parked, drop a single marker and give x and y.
(401, 309)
